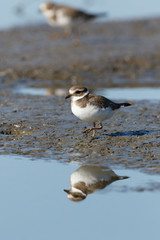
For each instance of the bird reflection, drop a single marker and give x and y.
(89, 178)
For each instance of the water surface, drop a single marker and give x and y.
(139, 93)
(34, 205)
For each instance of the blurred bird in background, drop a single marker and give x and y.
(65, 16)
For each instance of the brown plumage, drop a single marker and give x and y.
(100, 101)
(72, 13)
(76, 14)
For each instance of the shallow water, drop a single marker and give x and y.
(34, 205)
(141, 93)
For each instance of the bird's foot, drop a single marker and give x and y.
(88, 130)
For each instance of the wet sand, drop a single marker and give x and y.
(116, 54)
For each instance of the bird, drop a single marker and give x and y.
(89, 178)
(65, 16)
(92, 108)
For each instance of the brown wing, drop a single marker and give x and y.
(102, 102)
(77, 14)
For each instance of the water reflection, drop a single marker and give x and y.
(89, 178)
(33, 206)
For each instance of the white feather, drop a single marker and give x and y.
(91, 175)
(91, 113)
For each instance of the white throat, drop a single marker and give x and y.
(49, 13)
(73, 189)
(75, 98)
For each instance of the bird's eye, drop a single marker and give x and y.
(78, 92)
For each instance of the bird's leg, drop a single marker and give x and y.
(96, 128)
(75, 35)
(67, 32)
(88, 130)
(100, 125)
(94, 131)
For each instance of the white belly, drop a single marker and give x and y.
(91, 175)
(59, 20)
(91, 113)
(62, 19)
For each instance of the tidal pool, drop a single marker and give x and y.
(35, 206)
(137, 94)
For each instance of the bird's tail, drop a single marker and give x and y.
(96, 15)
(125, 104)
(123, 177)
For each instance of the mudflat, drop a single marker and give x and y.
(112, 54)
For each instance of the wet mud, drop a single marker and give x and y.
(116, 54)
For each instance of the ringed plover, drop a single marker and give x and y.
(92, 108)
(65, 16)
(61, 15)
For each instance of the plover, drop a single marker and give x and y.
(64, 16)
(92, 108)
(89, 178)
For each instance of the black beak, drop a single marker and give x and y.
(67, 191)
(68, 96)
